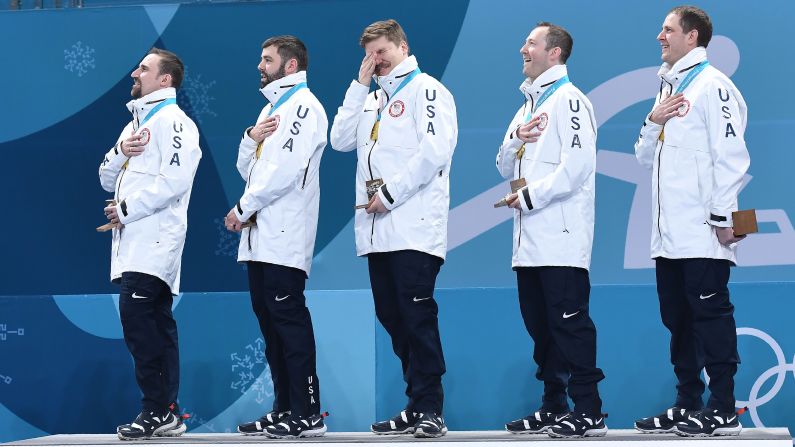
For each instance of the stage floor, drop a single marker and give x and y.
(765, 437)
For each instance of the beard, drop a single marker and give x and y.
(136, 91)
(268, 78)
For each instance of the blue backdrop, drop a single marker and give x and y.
(63, 89)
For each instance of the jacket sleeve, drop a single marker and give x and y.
(646, 144)
(506, 155)
(178, 141)
(726, 120)
(288, 155)
(112, 165)
(437, 132)
(343, 129)
(245, 152)
(577, 156)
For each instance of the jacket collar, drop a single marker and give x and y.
(390, 82)
(674, 74)
(142, 106)
(279, 87)
(533, 90)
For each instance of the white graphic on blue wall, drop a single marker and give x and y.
(228, 242)
(197, 92)
(249, 367)
(79, 59)
(476, 216)
(779, 370)
(5, 379)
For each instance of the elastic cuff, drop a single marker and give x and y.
(247, 140)
(386, 198)
(515, 143)
(359, 86)
(123, 212)
(524, 199)
(650, 127)
(720, 221)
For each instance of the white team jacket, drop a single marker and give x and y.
(283, 184)
(697, 171)
(555, 225)
(416, 139)
(153, 190)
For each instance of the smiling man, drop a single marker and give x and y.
(549, 152)
(404, 134)
(150, 170)
(693, 142)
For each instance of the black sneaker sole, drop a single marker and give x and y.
(406, 431)
(251, 433)
(654, 430)
(316, 433)
(127, 438)
(156, 432)
(529, 432)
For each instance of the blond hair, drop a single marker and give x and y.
(386, 28)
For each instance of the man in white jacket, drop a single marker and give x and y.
(693, 143)
(279, 158)
(150, 170)
(549, 151)
(404, 133)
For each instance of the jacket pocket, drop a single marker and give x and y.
(146, 230)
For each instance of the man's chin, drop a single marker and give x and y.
(135, 93)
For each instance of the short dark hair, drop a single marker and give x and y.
(389, 28)
(558, 37)
(170, 64)
(289, 47)
(693, 18)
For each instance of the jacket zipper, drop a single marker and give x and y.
(659, 204)
(563, 215)
(370, 168)
(247, 183)
(118, 247)
(519, 243)
(659, 161)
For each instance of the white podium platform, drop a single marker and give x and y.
(752, 437)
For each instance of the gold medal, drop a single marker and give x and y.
(259, 150)
(662, 135)
(374, 132)
(520, 152)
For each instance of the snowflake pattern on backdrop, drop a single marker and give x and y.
(5, 379)
(253, 373)
(79, 59)
(195, 96)
(228, 242)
